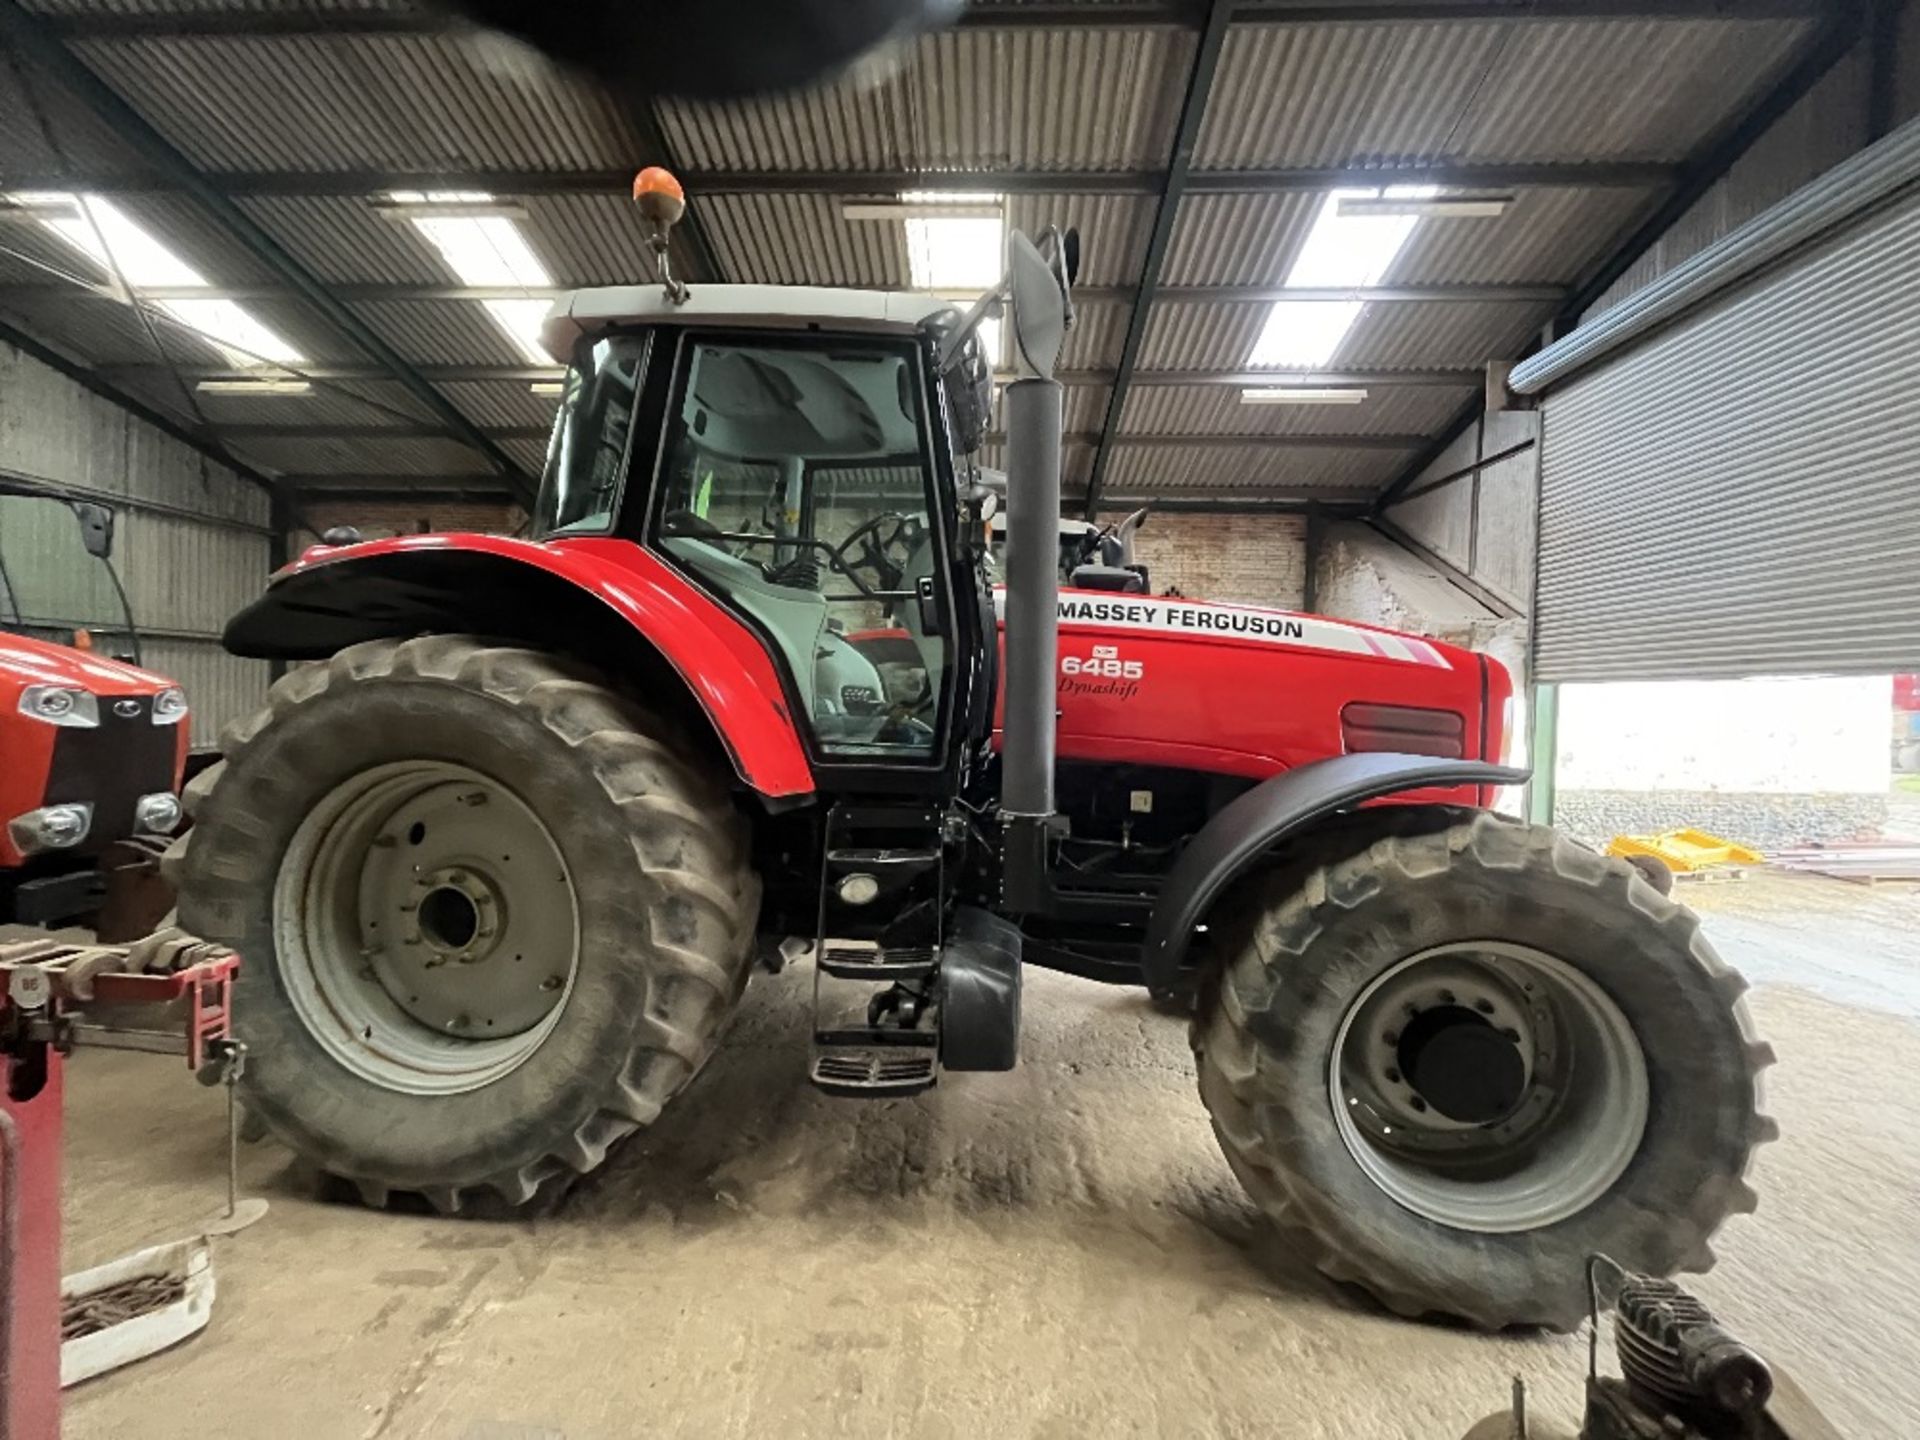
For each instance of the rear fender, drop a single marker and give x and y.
(607, 602)
(1254, 822)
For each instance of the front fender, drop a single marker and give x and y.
(608, 602)
(1256, 821)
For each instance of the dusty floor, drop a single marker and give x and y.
(1057, 1252)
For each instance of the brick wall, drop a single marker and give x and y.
(1256, 559)
(377, 519)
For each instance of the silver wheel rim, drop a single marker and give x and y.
(426, 927)
(1488, 1087)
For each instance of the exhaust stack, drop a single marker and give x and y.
(1033, 595)
(1039, 287)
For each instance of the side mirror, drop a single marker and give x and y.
(1041, 311)
(96, 527)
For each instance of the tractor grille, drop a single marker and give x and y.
(113, 765)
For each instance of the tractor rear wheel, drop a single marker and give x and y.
(493, 915)
(1454, 1064)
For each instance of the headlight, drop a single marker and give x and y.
(56, 827)
(157, 814)
(60, 705)
(170, 706)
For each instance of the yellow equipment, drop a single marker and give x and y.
(1684, 851)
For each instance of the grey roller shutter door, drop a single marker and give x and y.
(1740, 494)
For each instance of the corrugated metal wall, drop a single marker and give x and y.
(1737, 495)
(191, 538)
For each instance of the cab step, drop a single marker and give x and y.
(850, 962)
(868, 1071)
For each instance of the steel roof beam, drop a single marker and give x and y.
(1171, 294)
(1318, 12)
(1333, 501)
(1206, 62)
(1464, 378)
(515, 184)
(1122, 14)
(37, 47)
(375, 433)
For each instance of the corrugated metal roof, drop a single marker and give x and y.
(1827, 125)
(1239, 239)
(411, 455)
(499, 402)
(327, 403)
(203, 242)
(1338, 94)
(1084, 407)
(529, 455)
(1113, 230)
(1412, 337)
(1619, 89)
(1137, 470)
(323, 103)
(189, 7)
(1218, 410)
(1546, 236)
(45, 131)
(440, 332)
(1200, 337)
(1029, 99)
(344, 240)
(1051, 99)
(1341, 94)
(1099, 330)
(106, 333)
(803, 240)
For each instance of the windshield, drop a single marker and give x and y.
(50, 586)
(586, 456)
(797, 485)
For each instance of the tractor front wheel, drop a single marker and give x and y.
(493, 915)
(1455, 1064)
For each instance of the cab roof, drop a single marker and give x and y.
(588, 312)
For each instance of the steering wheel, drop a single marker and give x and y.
(900, 530)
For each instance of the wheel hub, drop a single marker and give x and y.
(426, 926)
(1488, 1086)
(1463, 1068)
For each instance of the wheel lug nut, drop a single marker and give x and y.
(1392, 1037)
(552, 982)
(1511, 1034)
(1393, 1077)
(1418, 1104)
(1485, 1007)
(1446, 997)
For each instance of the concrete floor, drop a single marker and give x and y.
(1057, 1252)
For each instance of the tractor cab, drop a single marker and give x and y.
(800, 465)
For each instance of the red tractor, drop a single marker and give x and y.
(502, 859)
(91, 748)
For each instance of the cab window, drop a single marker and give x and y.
(586, 455)
(796, 486)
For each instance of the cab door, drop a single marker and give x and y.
(797, 486)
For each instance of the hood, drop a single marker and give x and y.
(25, 662)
